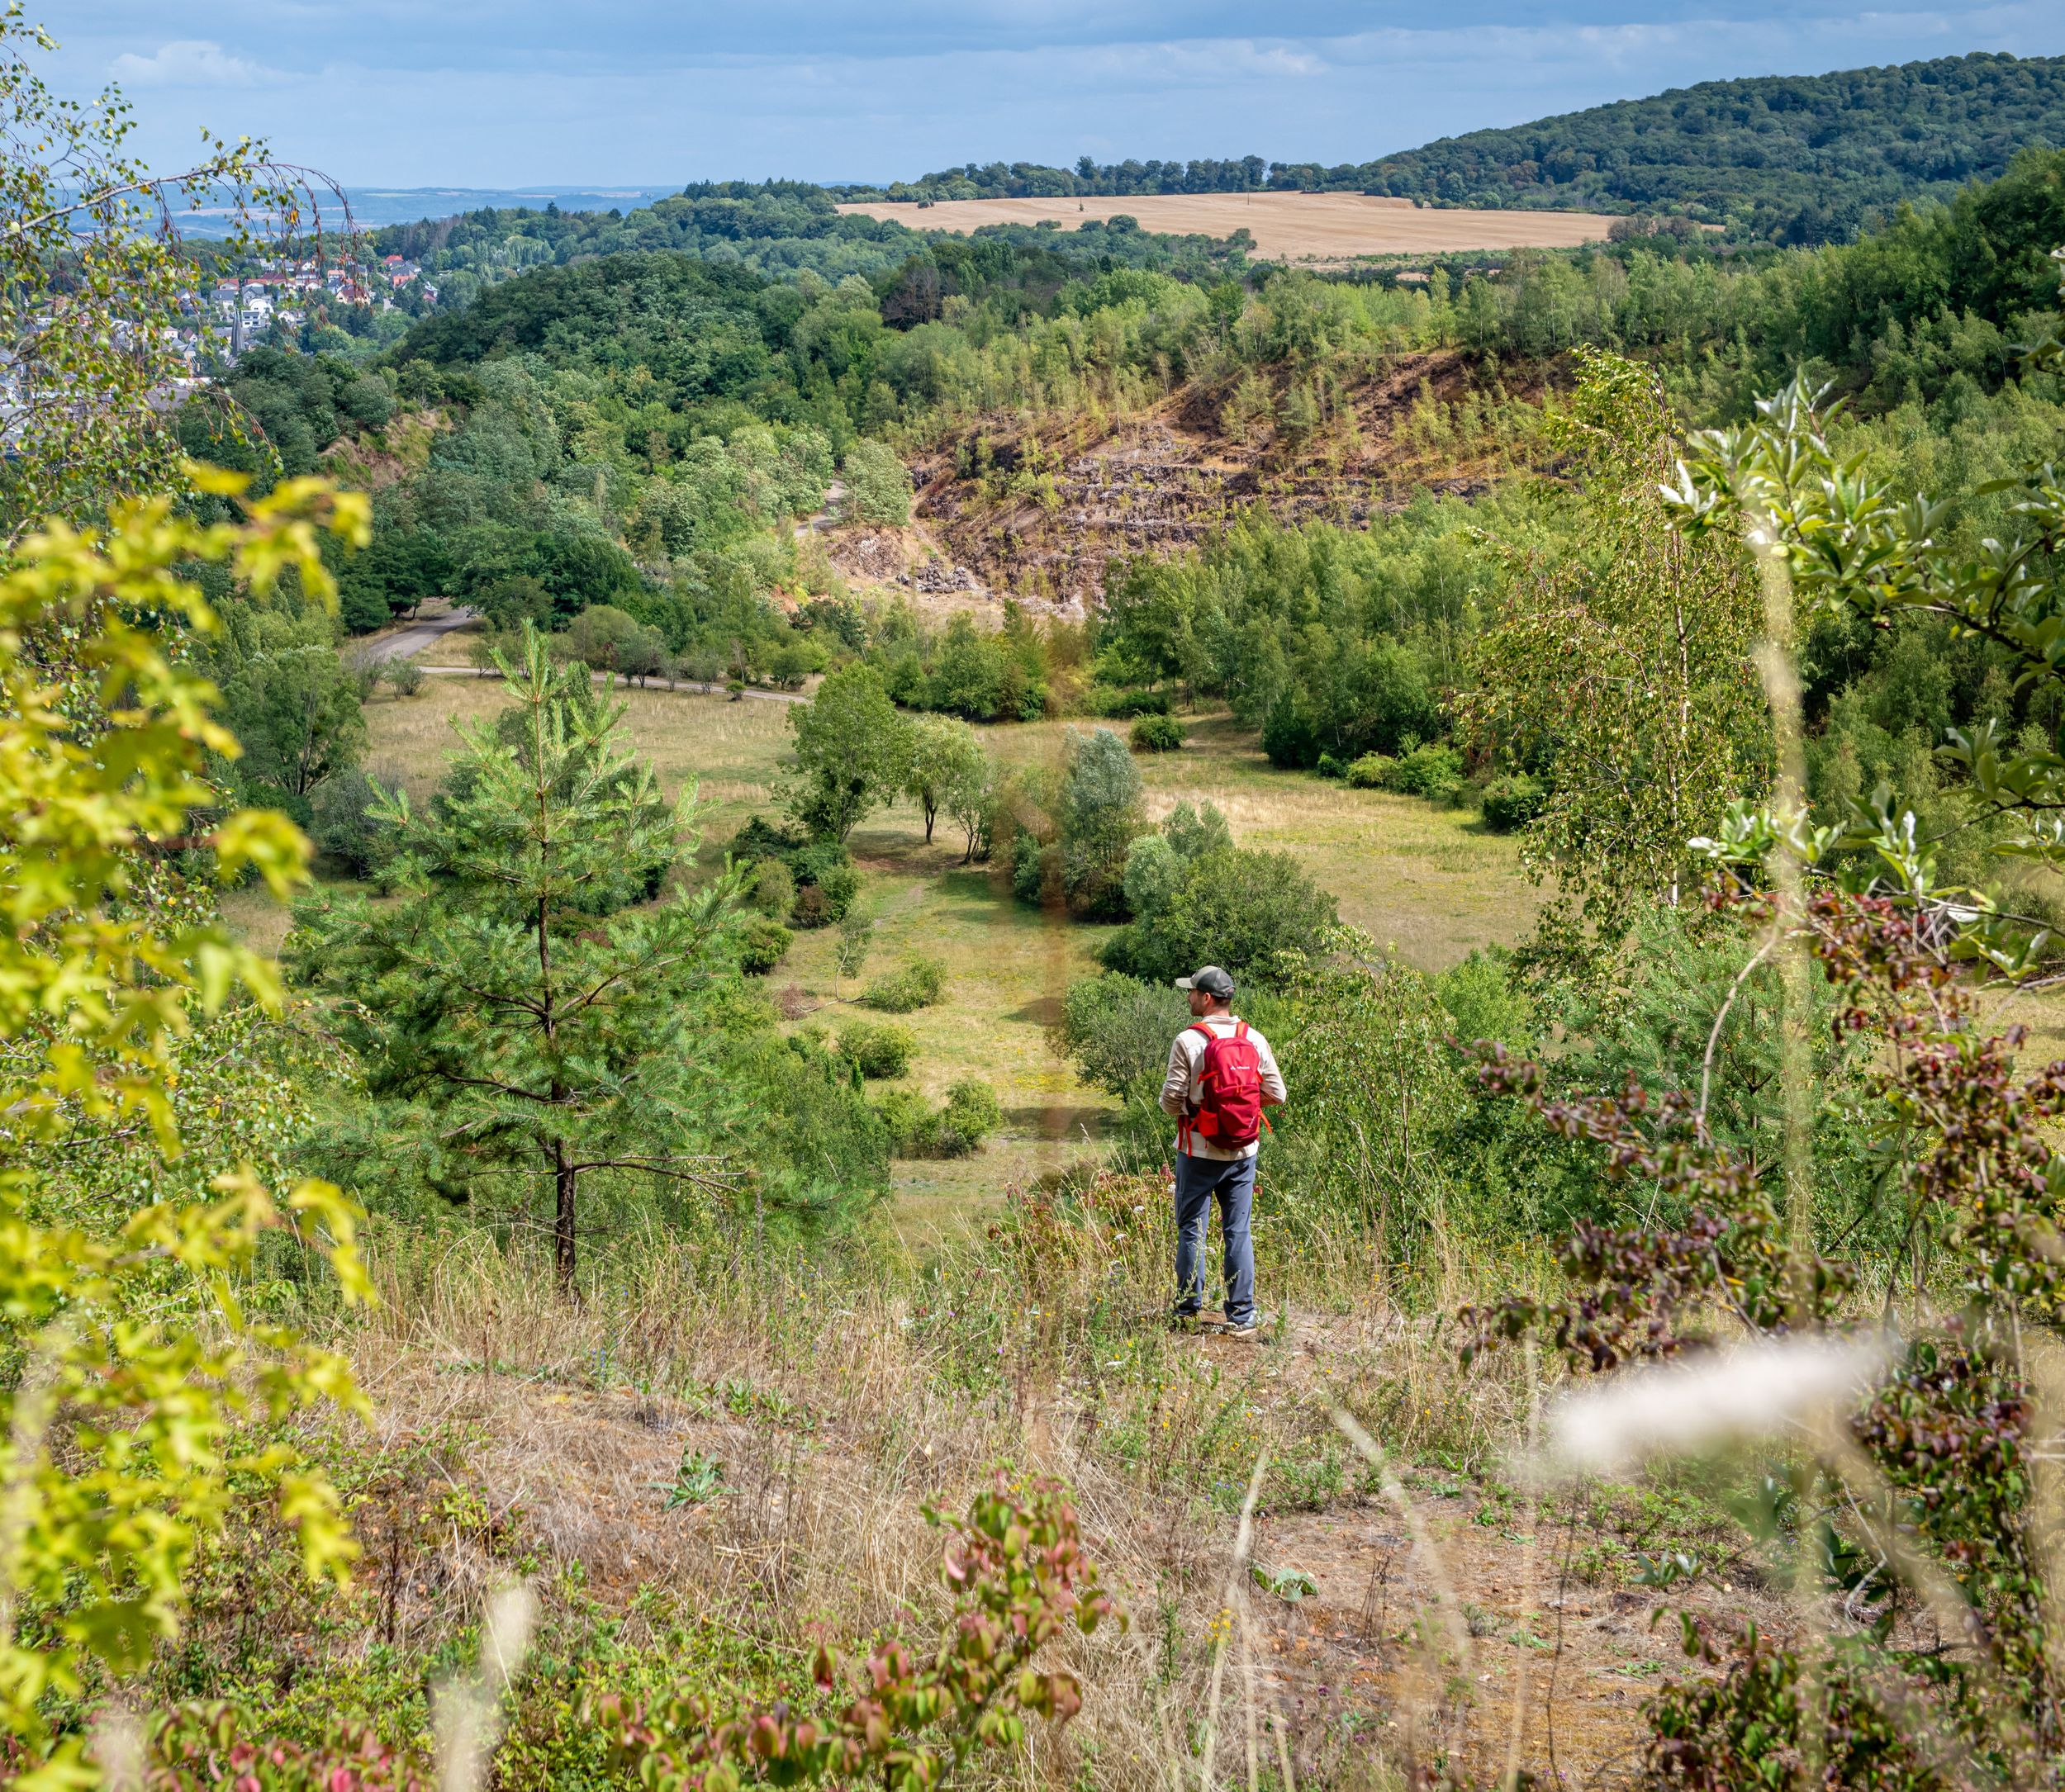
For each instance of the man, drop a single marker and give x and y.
(1222, 1075)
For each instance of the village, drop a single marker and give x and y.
(242, 307)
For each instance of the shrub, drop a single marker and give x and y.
(1510, 803)
(1236, 907)
(1019, 1576)
(1117, 1030)
(917, 985)
(970, 1114)
(877, 1048)
(1121, 705)
(1157, 734)
(838, 884)
(763, 945)
(1433, 772)
(1330, 767)
(406, 675)
(821, 872)
(1034, 868)
(1370, 772)
(1101, 797)
(774, 889)
(908, 1118)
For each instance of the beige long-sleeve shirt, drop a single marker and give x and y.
(1179, 1088)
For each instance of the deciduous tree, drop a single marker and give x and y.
(852, 753)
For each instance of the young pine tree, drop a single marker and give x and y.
(522, 1011)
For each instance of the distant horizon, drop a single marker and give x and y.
(457, 98)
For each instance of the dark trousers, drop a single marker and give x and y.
(1199, 1180)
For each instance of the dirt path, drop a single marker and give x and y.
(412, 641)
(828, 517)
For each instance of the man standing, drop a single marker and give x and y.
(1222, 1075)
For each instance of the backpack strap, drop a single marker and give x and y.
(1184, 1128)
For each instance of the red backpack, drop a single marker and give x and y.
(1229, 1090)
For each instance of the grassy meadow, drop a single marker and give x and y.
(1430, 881)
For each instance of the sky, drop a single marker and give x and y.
(504, 93)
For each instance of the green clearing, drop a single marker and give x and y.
(1430, 881)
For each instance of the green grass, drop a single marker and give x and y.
(1433, 882)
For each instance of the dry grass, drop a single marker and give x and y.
(732, 749)
(841, 1394)
(1314, 228)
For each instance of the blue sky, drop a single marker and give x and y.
(509, 92)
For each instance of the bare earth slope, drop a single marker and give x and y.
(1312, 229)
(1040, 509)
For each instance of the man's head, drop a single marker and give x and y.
(1210, 990)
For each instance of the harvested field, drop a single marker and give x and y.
(1314, 229)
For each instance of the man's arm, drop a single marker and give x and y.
(1273, 1093)
(1175, 1085)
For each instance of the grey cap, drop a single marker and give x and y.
(1212, 980)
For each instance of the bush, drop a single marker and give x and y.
(1512, 803)
(1116, 1030)
(821, 872)
(763, 945)
(406, 675)
(972, 1113)
(1101, 805)
(917, 985)
(1234, 907)
(837, 884)
(1121, 705)
(1433, 772)
(1330, 767)
(1034, 868)
(1157, 734)
(774, 889)
(877, 1048)
(908, 1118)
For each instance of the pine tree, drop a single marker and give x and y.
(522, 1009)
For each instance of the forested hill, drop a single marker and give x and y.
(779, 228)
(1799, 158)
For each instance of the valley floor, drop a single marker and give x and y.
(1429, 882)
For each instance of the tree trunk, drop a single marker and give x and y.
(564, 1177)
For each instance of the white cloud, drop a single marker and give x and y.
(189, 62)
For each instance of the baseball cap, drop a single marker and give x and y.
(1212, 980)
